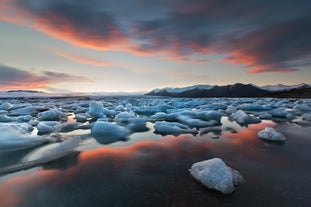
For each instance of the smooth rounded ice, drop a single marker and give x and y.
(215, 174)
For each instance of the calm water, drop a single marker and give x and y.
(151, 170)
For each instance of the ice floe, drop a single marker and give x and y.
(302, 107)
(125, 116)
(96, 109)
(51, 115)
(172, 128)
(46, 127)
(215, 174)
(6, 106)
(307, 117)
(105, 132)
(27, 110)
(271, 134)
(56, 150)
(243, 118)
(14, 137)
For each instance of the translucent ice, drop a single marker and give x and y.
(215, 174)
(270, 134)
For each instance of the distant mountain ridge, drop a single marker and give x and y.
(24, 91)
(235, 90)
(282, 87)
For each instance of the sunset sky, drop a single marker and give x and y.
(138, 45)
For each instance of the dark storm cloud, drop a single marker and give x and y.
(14, 78)
(264, 35)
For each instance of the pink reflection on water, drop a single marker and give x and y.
(146, 157)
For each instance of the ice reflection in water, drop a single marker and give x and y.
(155, 173)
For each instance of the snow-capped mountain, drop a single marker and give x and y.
(183, 89)
(281, 87)
(235, 90)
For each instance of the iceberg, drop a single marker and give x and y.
(46, 127)
(105, 132)
(51, 115)
(270, 134)
(243, 119)
(137, 125)
(81, 118)
(5, 118)
(26, 110)
(209, 115)
(306, 116)
(302, 107)
(215, 174)
(125, 116)
(6, 106)
(97, 110)
(56, 150)
(15, 138)
(172, 128)
(279, 113)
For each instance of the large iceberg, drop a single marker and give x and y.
(215, 174)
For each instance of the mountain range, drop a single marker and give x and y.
(235, 90)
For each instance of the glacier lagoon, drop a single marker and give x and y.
(136, 151)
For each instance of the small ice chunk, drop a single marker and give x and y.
(96, 109)
(279, 112)
(105, 132)
(51, 115)
(265, 116)
(193, 103)
(46, 127)
(161, 116)
(197, 122)
(5, 118)
(173, 128)
(27, 110)
(254, 107)
(302, 107)
(307, 117)
(125, 116)
(128, 107)
(270, 134)
(13, 138)
(24, 118)
(57, 150)
(81, 118)
(120, 108)
(6, 106)
(137, 124)
(231, 110)
(67, 127)
(209, 115)
(215, 174)
(244, 119)
(216, 106)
